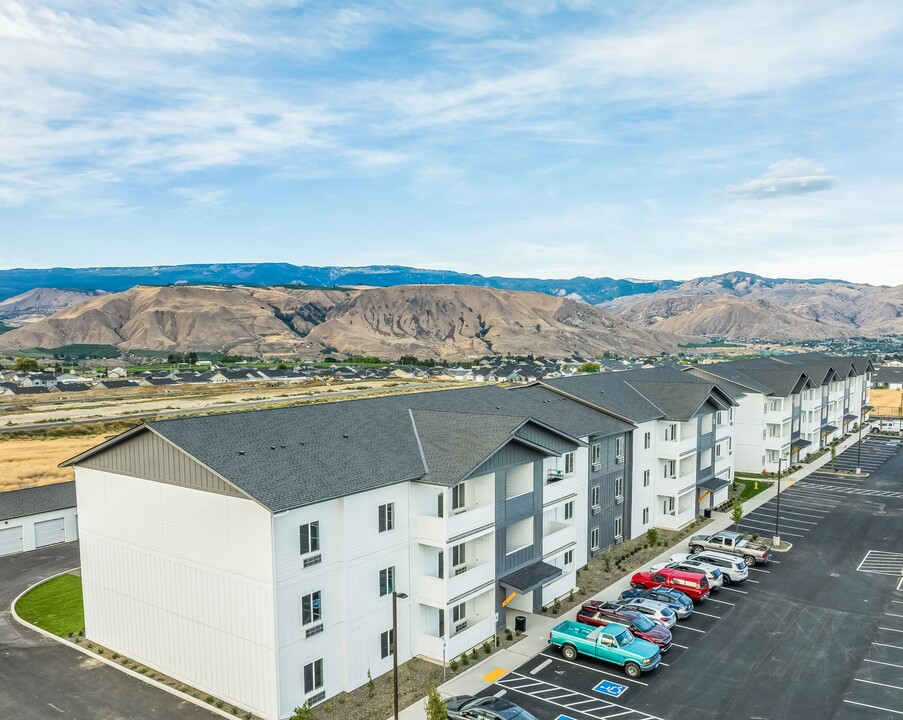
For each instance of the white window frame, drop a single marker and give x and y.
(647, 476)
(619, 526)
(313, 612)
(596, 454)
(459, 555)
(647, 440)
(569, 510)
(619, 487)
(594, 538)
(316, 676)
(569, 463)
(309, 537)
(386, 581)
(595, 494)
(387, 517)
(645, 515)
(459, 497)
(386, 646)
(459, 612)
(569, 558)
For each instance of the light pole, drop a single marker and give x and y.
(859, 447)
(777, 516)
(395, 596)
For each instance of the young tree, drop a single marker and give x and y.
(26, 364)
(737, 514)
(303, 713)
(833, 456)
(436, 707)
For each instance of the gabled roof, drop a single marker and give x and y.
(683, 400)
(31, 501)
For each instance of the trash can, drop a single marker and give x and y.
(707, 512)
(520, 623)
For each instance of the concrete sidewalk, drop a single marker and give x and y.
(478, 677)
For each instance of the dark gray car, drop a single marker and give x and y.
(468, 707)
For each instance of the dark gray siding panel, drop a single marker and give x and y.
(546, 439)
(512, 454)
(149, 457)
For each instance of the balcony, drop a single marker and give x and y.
(433, 530)
(554, 491)
(676, 485)
(556, 535)
(673, 520)
(469, 577)
(673, 449)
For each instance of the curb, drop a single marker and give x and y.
(107, 661)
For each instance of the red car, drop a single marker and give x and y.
(693, 584)
(600, 613)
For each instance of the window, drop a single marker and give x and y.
(458, 496)
(386, 581)
(597, 453)
(670, 469)
(594, 496)
(313, 676)
(619, 487)
(569, 463)
(671, 432)
(569, 510)
(647, 441)
(310, 608)
(440, 509)
(619, 446)
(386, 517)
(441, 569)
(569, 557)
(459, 612)
(645, 515)
(310, 537)
(442, 623)
(594, 539)
(458, 556)
(385, 643)
(619, 522)
(646, 474)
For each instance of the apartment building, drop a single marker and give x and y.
(254, 555)
(681, 447)
(790, 405)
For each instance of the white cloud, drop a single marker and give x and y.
(799, 176)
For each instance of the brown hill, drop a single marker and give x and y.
(447, 321)
(41, 302)
(740, 305)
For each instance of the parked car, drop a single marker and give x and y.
(693, 584)
(680, 603)
(652, 609)
(613, 644)
(463, 707)
(733, 569)
(733, 544)
(602, 613)
(712, 574)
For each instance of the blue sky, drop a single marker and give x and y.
(522, 137)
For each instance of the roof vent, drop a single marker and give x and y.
(282, 446)
(241, 452)
(346, 436)
(272, 447)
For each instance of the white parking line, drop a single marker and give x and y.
(893, 615)
(783, 532)
(541, 665)
(742, 592)
(762, 571)
(699, 612)
(776, 562)
(790, 512)
(787, 520)
(874, 707)
(754, 582)
(682, 647)
(890, 629)
(684, 627)
(722, 602)
(899, 602)
(878, 662)
(872, 682)
(895, 647)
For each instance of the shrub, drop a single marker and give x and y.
(473, 655)
(508, 634)
(755, 537)
(545, 609)
(652, 536)
(209, 699)
(436, 707)
(556, 607)
(607, 563)
(453, 666)
(571, 596)
(487, 648)
(115, 655)
(465, 660)
(371, 686)
(219, 704)
(517, 632)
(303, 713)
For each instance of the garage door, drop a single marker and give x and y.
(11, 540)
(49, 532)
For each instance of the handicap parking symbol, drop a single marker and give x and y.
(606, 687)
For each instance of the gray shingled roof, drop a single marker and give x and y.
(31, 501)
(529, 578)
(610, 391)
(680, 401)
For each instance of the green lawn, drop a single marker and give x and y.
(749, 486)
(55, 606)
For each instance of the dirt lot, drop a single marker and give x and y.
(29, 463)
(887, 403)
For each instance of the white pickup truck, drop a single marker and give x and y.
(733, 543)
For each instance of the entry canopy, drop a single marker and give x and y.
(714, 484)
(530, 578)
(800, 444)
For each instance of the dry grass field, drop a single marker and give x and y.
(29, 463)
(887, 403)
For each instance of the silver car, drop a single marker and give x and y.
(733, 569)
(653, 609)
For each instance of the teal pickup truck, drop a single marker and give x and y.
(612, 643)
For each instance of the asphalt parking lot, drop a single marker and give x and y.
(816, 634)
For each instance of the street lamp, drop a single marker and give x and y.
(777, 516)
(395, 596)
(859, 447)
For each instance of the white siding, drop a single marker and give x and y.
(181, 581)
(642, 497)
(353, 552)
